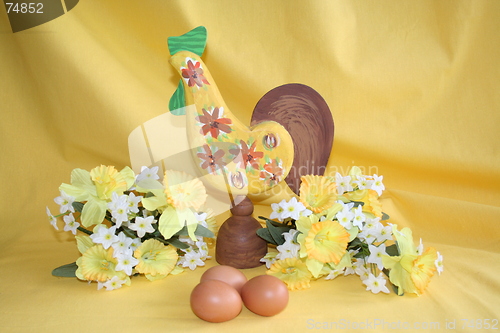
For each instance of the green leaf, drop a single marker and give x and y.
(192, 41)
(177, 104)
(276, 233)
(266, 235)
(385, 216)
(204, 232)
(68, 270)
(78, 206)
(358, 203)
(392, 250)
(177, 243)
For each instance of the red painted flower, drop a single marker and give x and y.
(248, 155)
(213, 124)
(194, 74)
(212, 161)
(272, 173)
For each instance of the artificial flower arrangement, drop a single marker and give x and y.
(127, 224)
(337, 227)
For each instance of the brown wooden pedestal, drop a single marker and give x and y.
(237, 242)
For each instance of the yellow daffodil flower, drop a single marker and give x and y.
(98, 264)
(326, 241)
(293, 272)
(317, 193)
(96, 188)
(371, 204)
(184, 191)
(409, 271)
(155, 259)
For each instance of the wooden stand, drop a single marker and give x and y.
(237, 242)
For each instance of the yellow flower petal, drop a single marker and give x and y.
(293, 272)
(423, 269)
(326, 241)
(155, 258)
(183, 191)
(98, 264)
(317, 193)
(108, 180)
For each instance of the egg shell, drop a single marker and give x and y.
(265, 295)
(227, 274)
(215, 301)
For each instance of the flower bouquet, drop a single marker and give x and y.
(337, 227)
(127, 224)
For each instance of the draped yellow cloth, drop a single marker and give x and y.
(413, 87)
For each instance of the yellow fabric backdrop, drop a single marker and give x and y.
(413, 87)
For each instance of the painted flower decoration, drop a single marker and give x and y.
(213, 124)
(317, 193)
(211, 160)
(272, 173)
(247, 156)
(193, 74)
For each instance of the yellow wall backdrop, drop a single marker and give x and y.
(413, 87)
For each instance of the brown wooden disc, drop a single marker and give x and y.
(307, 117)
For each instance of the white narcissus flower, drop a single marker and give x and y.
(385, 234)
(334, 273)
(126, 262)
(278, 210)
(343, 183)
(376, 284)
(363, 183)
(136, 242)
(119, 208)
(65, 202)
(345, 217)
(376, 253)
(52, 219)
(377, 184)
(439, 263)
(420, 247)
(143, 225)
(288, 250)
(133, 202)
(70, 223)
(292, 209)
(192, 260)
(104, 236)
(111, 284)
(148, 173)
(359, 217)
(122, 244)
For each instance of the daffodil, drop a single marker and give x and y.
(98, 264)
(409, 271)
(369, 197)
(293, 272)
(326, 241)
(317, 193)
(184, 191)
(155, 259)
(96, 188)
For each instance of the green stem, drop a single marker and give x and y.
(88, 232)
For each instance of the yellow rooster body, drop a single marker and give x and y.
(241, 159)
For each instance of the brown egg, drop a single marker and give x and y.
(265, 295)
(228, 274)
(215, 301)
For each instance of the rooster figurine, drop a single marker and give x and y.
(291, 132)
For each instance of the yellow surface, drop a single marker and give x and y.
(413, 87)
